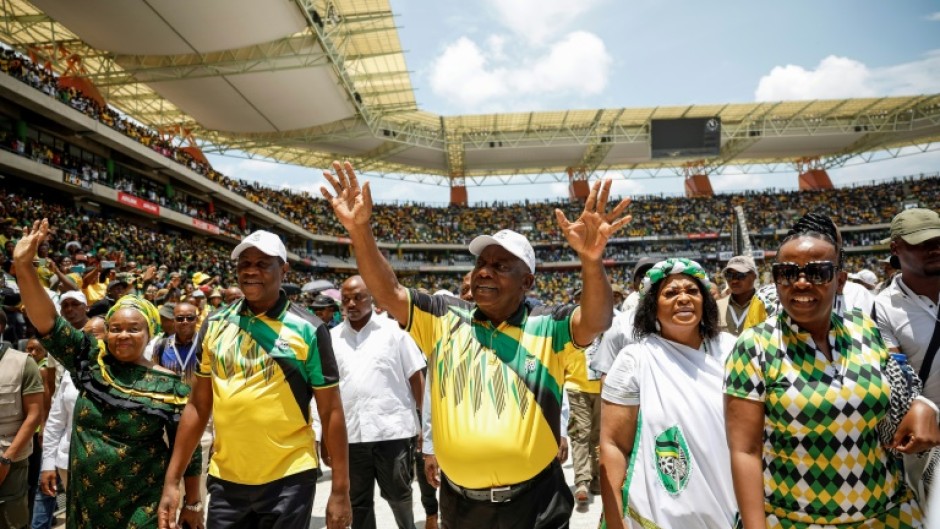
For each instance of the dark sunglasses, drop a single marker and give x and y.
(181, 319)
(816, 272)
(731, 275)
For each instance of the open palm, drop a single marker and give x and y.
(589, 233)
(28, 246)
(352, 203)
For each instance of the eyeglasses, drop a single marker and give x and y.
(182, 319)
(731, 275)
(816, 272)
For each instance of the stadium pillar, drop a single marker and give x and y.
(698, 185)
(578, 187)
(458, 191)
(815, 179)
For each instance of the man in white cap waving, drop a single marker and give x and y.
(496, 366)
(262, 360)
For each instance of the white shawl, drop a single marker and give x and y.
(679, 475)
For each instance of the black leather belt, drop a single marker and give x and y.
(501, 494)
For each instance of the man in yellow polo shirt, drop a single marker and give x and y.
(496, 366)
(262, 360)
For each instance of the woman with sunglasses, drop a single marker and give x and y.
(809, 397)
(126, 406)
(661, 410)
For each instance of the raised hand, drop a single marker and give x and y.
(352, 204)
(28, 245)
(588, 234)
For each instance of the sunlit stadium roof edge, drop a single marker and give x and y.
(310, 81)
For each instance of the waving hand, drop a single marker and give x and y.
(588, 234)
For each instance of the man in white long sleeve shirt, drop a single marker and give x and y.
(57, 436)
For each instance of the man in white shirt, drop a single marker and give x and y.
(907, 309)
(381, 383)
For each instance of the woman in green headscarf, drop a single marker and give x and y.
(126, 406)
(662, 447)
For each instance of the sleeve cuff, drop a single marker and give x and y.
(623, 398)
(930, 403)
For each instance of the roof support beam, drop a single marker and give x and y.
(290, 53)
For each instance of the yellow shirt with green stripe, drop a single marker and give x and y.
(495, 392)
(578, 373)
(264, 369)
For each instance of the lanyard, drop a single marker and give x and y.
(184, 364)
(738, 319)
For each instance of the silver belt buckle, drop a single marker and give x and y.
(497, 489)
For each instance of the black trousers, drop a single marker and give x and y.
(390, 464)
(285, 503)
(428, 492)
(546, 505)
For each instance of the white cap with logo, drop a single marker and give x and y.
(265, 241)
(514, 243)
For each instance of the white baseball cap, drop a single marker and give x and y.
(865, 276)
(514, 243)
(74, 294)
(267, 242)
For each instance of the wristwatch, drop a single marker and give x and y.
(195, 507)
(5, 461)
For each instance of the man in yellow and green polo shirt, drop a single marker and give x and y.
(496, 366)
(262, 360)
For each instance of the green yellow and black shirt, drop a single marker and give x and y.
(495, 391)
(264, 369)
(824, 463)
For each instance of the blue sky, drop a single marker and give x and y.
(481, 56)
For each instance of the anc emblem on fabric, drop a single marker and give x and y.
(673, 460)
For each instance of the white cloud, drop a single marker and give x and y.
(733, 179)
(842, 77)
(506, 77)
(538, 21)
(933, 17)
(461, 73)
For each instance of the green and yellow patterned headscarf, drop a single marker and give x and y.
(679, 265)
(141, 305)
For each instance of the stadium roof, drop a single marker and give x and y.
(310, 81)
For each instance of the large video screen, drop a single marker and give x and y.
(685, 137)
